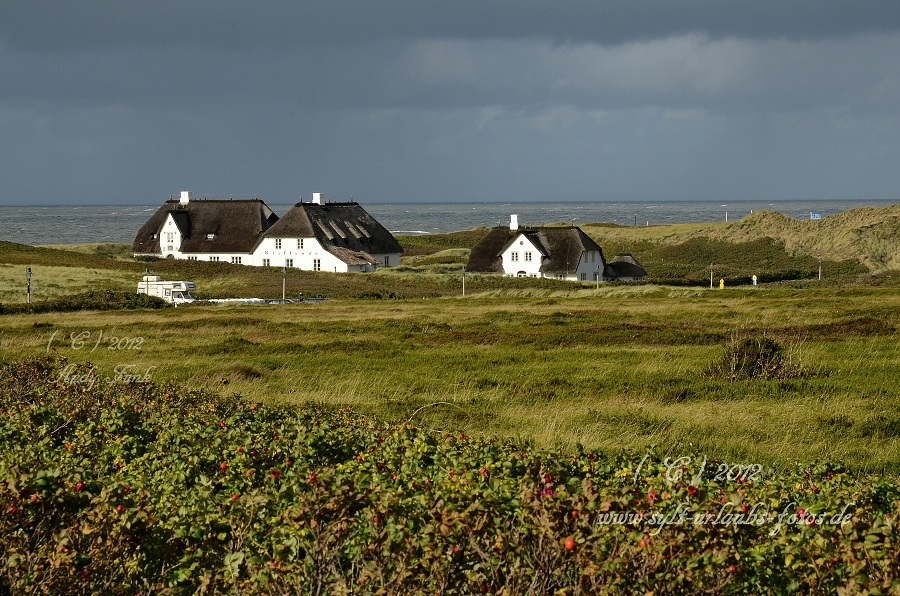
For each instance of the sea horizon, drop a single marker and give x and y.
(79, 224)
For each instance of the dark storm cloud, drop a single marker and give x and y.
(111, 100)
(227, 24)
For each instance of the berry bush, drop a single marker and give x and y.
(138, 487)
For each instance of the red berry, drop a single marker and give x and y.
(570, 543)
(120, 508)
(234, 497)
(691, 490)
(223, 467)
(732, 569)
(574, 513)
(79, 486)
(744, 508)
(12, 510)
(276, 474)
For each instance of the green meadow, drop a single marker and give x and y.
(547, 362)
(619, 367)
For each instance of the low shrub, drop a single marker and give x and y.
(92, 300)
(133, 487)
(757, 357)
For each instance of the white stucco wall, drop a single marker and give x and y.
(303, 258)
(521, 256)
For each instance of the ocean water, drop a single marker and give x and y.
(104, 223)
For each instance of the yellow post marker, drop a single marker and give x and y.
(722, 284)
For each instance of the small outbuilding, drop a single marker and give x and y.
(624, 268)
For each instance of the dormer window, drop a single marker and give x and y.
(210, 236)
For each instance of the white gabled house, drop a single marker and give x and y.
(205, 230)
(558, 252)
(321, 236)
(315, 236)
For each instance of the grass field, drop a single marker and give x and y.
(113, 485)
(623, 366)
(546, 361)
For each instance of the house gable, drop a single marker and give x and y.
(564, 252)
(205, 226)
(345, 230)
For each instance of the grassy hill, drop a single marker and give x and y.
(868, 235)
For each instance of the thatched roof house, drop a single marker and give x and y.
(315, 236)
(186, 227)
(344, 230)
(564, 252)
(560, 252)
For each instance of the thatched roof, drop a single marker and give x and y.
(346, 230)
(624, 266)
(560, 247)
(236, 226)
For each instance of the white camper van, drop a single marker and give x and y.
(177, 292)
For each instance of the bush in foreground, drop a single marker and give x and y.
(126, 488)
(91, 300)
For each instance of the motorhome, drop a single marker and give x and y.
(176, 292)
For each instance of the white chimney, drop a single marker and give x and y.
(317, 198)
(185, 197)
(514, 222)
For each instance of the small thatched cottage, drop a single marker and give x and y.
(558, 252)
(313, 236)
(555, 252)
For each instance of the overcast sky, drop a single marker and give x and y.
(116, 102)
